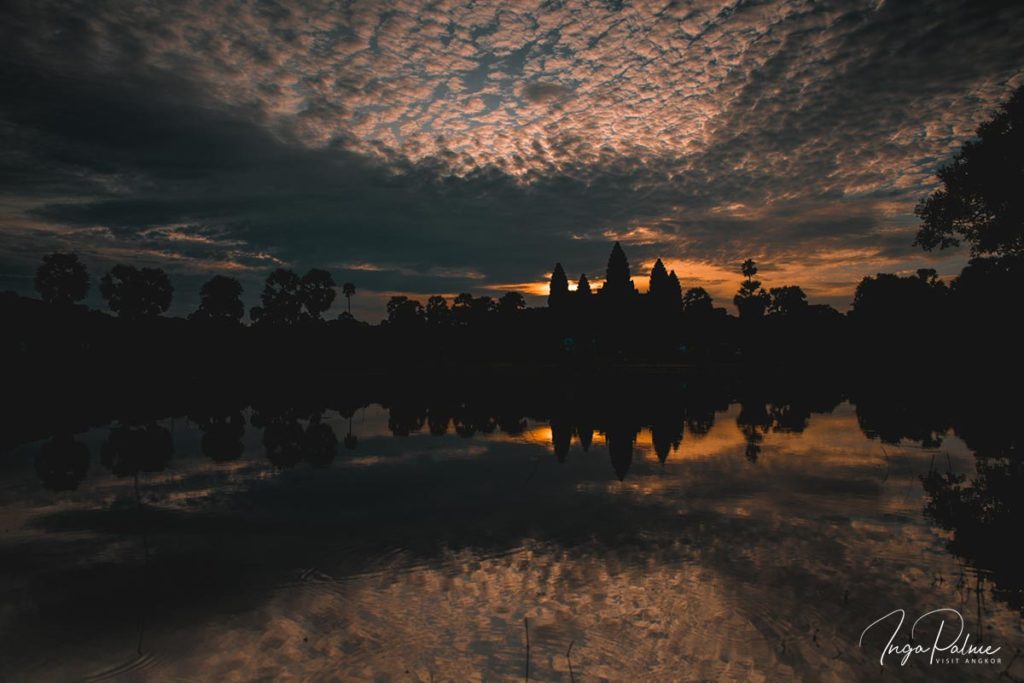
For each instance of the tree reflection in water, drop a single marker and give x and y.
(747, 435)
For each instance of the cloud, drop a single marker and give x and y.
(539, 92)
(489, 138)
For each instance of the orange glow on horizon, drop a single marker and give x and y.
(829, 275)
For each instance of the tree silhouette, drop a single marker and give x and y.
(980, 201)
(470, 310)
(349, 290)
(754, 422)
(62, 463)
(990, 287)
(787, 301)
(282, 435)
(316, 291)
(789, 418)
(558, 293)
(914, 302)
(220, 299)
(979, 513)
(281, 299)
(61, 279)
(438, 418)
(286, 441)
(511, 303)
(405, 418)
(404, 312)
(481, 307)
(470, 418)
(700, 418)
(288, 299)
(437, 312)
(319, 442)
(222, 435)
(461, 307)
(751, 300)
(130, 450)
(697, 301)
(136, 293)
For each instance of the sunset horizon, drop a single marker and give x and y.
(461, 147)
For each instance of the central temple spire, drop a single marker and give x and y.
(617, 280)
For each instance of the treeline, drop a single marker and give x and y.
(894, 318)
(969, 322)
(289, 299)
(304, 427)
(139, 293)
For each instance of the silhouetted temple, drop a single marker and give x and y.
(664, 293)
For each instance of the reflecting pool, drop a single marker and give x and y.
(702, 538)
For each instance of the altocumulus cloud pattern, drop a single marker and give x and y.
(437, 147)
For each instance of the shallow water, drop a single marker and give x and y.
(276, 548)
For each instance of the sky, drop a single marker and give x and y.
(424, 148)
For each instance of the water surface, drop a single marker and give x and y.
(730, 540)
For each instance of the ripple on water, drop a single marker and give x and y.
(456, 619)
(139, 664)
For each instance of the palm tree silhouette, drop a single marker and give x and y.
(348, 289)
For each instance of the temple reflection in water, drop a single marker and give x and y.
(702, 529)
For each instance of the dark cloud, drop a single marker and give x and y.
(214, 138)
(545, 92)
